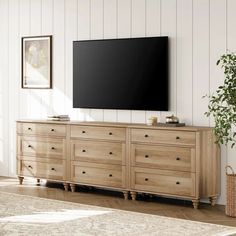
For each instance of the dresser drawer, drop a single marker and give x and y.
(163, 136)
(97, 174)
(41, 147)
(48, 170)
(163, 181)
(99, 152)
(41, 129)
(90, 132)
(163, 157)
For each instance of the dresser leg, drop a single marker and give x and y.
(20, 180)
(126, 195)
(133, 195)
(195, 203)
(66, 186)
(213, 200)
(38, 181)
(72, 186)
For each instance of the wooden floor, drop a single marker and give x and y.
(154, 205)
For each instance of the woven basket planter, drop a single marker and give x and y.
(230, 208)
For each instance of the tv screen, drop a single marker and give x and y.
(121, 74)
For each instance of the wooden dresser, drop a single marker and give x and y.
(180, 162)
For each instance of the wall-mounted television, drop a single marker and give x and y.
(121, 74)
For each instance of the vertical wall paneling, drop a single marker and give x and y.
(47, 29)
(4, 75)
(123, 31)
(168, 28)
(58, 57)
(71, 28)
(97, 32)
(201, 57)
(110, 31)
(153, 28)
(138, 29)
(231, 46)
(217, 48)
(13, 91)
(184, 60)
(35, 95)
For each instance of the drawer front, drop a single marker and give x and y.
(50, 170)
(163, 182)
(163, 157)
(41, 129)
(100, 152)
(102, 175)
(163, 136)
(47, 148)
(106, 133)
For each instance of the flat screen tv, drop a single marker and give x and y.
(121, 74)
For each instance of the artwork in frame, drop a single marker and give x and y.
(37, 62)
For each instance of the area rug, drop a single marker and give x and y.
(26, 215)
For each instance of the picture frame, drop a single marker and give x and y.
(36, 62)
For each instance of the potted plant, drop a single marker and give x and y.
(222, 106)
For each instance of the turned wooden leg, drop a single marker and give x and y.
(72, 186)
(38, 181)
(133, 195)
(195, 203)
(213, 200)
(66, 186)
(126, 195)
(20, 180)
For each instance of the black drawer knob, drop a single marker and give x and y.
(146, 156)
(146, 135)
(29, 128)
(29, 166)
(83, 172)
(83, 150)
(83, 132)
(52, 148)
(177, 137)
(146, 179)
(110, 175)
(29, 146)
(177, 182)
(52, 168)
(110, 133)
(52, 130)
(110, 153)
(177, 158)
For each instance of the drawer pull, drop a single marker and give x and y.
(83, 150)
(177, 182)
(83, 132)
(110, 133)
(110, 153)
(52, 130)
(177, 137)
(29, 146)
(146, 135)
(52, 168)
(177, 158)
(146, 156)
(83, 172)
(29, 128)
(110, 175)
(29, 166)
(53, 148)
(146, 179)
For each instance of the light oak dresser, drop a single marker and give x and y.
(179, 162)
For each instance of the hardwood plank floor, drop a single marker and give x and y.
(146, 204)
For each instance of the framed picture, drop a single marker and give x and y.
(37, 62)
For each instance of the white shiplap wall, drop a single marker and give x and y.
(199, 30)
